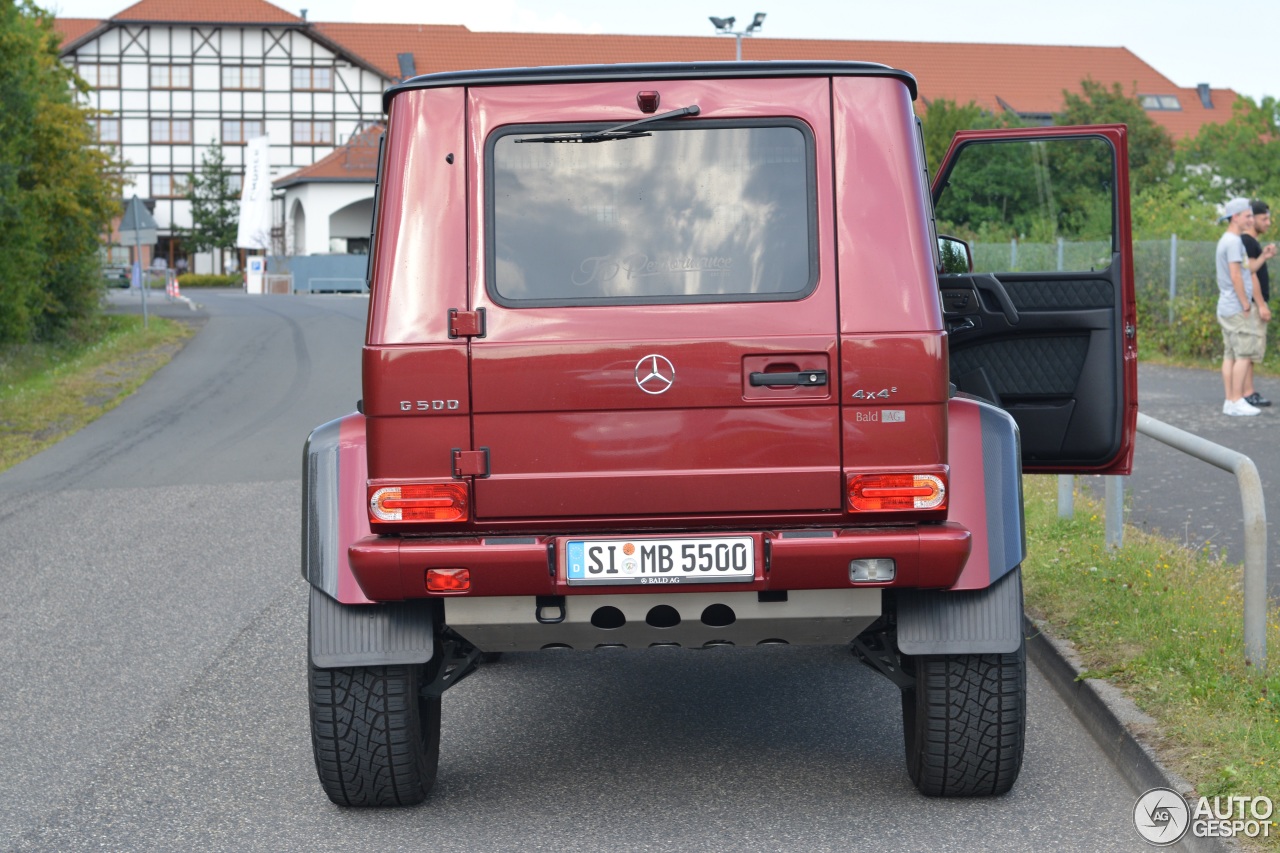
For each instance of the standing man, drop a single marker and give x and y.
(1241, 335)
(1257, 256)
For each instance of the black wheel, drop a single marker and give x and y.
(964, 723)
(376, 738)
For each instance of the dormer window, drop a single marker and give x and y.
(1160, 102)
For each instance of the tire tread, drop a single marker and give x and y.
(376, 742)
(967, 723)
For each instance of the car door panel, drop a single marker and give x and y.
(1055, 348)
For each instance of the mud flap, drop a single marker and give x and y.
(951, 622)
(343, 635)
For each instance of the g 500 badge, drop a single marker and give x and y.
(428, 405)
(867, 394)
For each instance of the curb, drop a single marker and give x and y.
(1111, 718)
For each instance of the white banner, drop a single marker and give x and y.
(255, 197)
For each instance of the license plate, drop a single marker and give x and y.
(720, 559)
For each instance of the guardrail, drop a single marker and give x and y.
(1255, 523)
(1255, 520)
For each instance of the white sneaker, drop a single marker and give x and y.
(1240, 408)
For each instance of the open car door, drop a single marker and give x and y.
(1042, 320)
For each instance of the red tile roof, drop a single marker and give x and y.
(356, 160)
(72, 29)
(203, 12)
(1028, 78)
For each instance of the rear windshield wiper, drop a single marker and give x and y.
(622, 131)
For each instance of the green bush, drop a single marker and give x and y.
(1194, 337)
(1194, 333)
(203, 280)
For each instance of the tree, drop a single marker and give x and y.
(1239, 157)
(58, 190)
(1150, 145)
(215, 212)
(941, 120)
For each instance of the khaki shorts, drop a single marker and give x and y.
(1243, 336)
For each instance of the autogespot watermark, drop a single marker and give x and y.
(1163, 817)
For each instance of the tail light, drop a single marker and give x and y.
(419, 502)
(887, 492)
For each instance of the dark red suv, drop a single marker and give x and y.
(673, 355)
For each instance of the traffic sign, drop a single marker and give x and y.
(138, 227)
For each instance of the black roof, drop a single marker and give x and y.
(648, 71)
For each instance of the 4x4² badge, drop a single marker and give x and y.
(655, 374)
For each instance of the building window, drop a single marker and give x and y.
(235, 184)
(171, 131)
(106, 130)
(169, 186)
(1160, 102)
(240, 131)
(100, 76)
(242, 76)
(171, 77)
(313, 133)
(312, 78)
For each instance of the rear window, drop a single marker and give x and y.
(694, 212)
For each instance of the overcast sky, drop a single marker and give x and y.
(1189, 42)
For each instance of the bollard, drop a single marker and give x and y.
(1066, 495)
(1115, 511)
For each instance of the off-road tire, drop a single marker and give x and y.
(964, 723)
(376, 738)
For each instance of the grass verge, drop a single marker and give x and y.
(48, 391)
(1165, 624)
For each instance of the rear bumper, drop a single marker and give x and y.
(926, 557)
(689, 620)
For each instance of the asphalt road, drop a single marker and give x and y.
(1190, 501)
(153, 631)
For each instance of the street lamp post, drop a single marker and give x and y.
(724, 27)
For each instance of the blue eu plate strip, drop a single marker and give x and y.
(574, 561)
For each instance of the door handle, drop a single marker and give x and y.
(778, 380)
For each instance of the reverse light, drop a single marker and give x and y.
(448, 580)
(419, 502)
(877, 570)
(881, 492)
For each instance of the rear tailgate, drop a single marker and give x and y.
(660, 311)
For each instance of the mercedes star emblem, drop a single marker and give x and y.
(654, 374)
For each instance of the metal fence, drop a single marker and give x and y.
(1163, 269)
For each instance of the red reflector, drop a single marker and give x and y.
(419, 502)
(880, 492)
(448, 580)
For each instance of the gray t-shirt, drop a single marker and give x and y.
(1231, 248)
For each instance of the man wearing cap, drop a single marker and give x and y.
(1242, 339)
(1257, 256)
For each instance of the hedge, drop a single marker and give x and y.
(203, 280)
